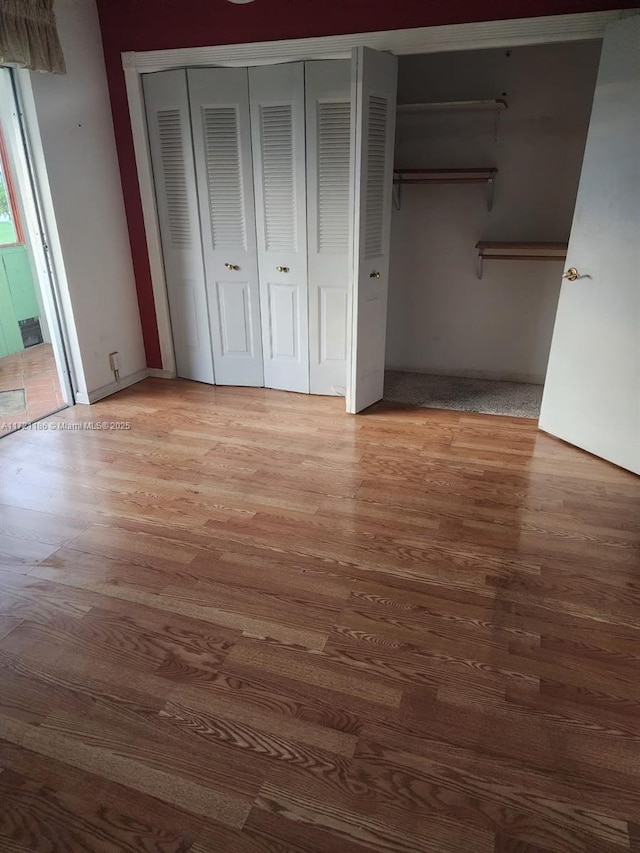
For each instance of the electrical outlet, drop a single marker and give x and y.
(114, 361)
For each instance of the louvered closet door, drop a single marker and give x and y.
(219, 100)
(278, 135)
(328, 108)
(167, 107)
(374, 79)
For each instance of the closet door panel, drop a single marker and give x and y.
(220, 119)
(278, 135)
(374, 84)
(592, 390)
(169, 129)
(328, 117)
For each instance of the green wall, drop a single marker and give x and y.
(17, 297)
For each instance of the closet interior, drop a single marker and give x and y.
(488, 153)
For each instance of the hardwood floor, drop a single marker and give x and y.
(254, 624)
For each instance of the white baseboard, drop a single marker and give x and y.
(157, 373)
(111, 388)
(497, 375)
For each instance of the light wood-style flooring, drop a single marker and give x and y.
(254, 624)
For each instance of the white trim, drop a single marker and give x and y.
(156, 373)
(111, 388)
(29, 165)
(121, 384)
(133, 81)
(487, 34)
(354, 218)
(472, 36)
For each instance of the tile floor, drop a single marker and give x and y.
(34, 371)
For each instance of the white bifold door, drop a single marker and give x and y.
(198, 125)
(278, 135)
(373, 112)
(273, 188)
(219, 99)
(169, 131)
(328, 108)
(592, 390)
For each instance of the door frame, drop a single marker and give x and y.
(40, 233)
(420, 40)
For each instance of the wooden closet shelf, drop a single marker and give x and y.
(480, 175)
(496, 104)
(444, 176)
(443, 180)
(551, 247)
(455, 171)
(519, 252)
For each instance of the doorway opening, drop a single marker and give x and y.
(489, 149)
(34, 375)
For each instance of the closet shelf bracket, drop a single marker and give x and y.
(491, 193)
(519, 252)
(481, 175)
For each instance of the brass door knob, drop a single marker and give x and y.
(571, 274)
(374, 275)
(282, 269)
(232, 266)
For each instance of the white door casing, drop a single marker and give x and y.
(278, 135)
(41, 237)
(169, 129)
(592, 390)
(328, 110)
(373, 105)
(219, 100)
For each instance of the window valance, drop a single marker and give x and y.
(29, 37)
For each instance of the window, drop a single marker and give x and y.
(10, 227)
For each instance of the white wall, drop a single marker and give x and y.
(78, 148)
(441, 318)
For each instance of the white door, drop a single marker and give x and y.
(278, 134)
(373, 86)
(328, 107)
(219, 99)
(167, 106)
(592, 390)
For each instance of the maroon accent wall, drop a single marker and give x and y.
(159, 24)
